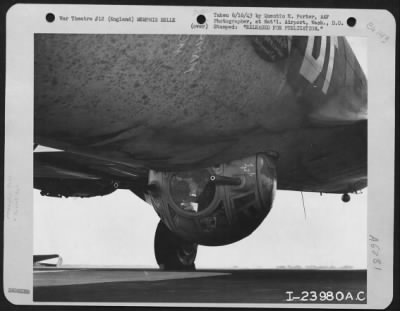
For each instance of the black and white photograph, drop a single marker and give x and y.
(224, 164)
(187, 145)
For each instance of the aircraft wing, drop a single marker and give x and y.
(61, 173)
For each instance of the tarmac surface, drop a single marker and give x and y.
(201, 286)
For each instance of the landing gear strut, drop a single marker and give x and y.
(172, 252)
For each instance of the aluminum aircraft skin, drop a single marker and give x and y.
(120, 104)
(120, 107)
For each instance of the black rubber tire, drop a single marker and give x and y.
(173, 253)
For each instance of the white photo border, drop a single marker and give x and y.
(25, 20)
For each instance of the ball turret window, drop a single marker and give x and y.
(192, 191)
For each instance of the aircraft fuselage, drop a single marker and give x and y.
(177, 102)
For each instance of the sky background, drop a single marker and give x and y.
(119, 229)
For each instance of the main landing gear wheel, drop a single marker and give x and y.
(172, 252)
(345, 197)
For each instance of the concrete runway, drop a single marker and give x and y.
(202, 286)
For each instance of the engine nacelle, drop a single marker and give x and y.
(217, 205)
(84, 188)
